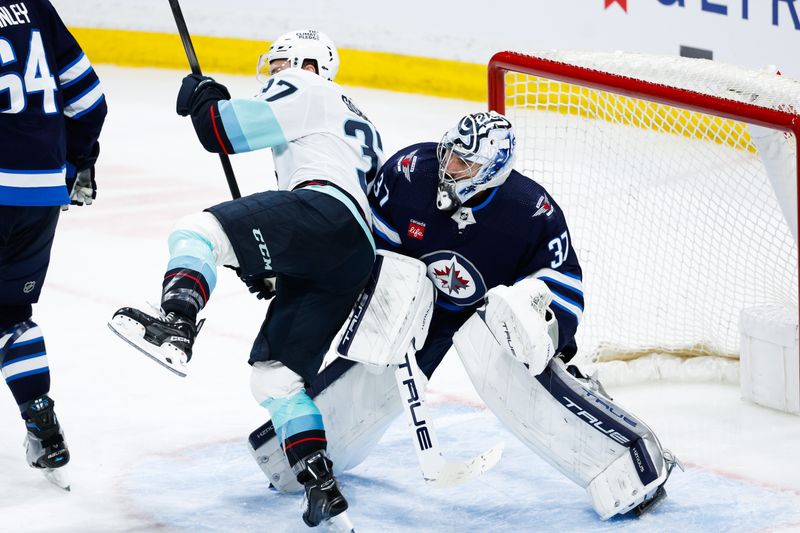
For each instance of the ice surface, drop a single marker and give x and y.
(154, 452)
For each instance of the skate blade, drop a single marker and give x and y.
(58, 477)
(132, 332)
(340, 524)
(456, 473)
(652, 503)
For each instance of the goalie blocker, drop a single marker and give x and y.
(564, 417)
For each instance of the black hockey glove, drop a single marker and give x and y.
(84, 189)
(198, 91)
(263, 288)
(81, 186)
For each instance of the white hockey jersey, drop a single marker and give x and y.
(316, 132)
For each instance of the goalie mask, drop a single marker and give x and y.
(299, 47)
(476, 155)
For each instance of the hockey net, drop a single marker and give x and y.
(678, 223)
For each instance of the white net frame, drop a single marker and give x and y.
(673, 215)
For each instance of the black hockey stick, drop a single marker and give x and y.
(183, 31)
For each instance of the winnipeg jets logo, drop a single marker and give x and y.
(544, 207)
(450, 278)
(407, 164)
(455, 277)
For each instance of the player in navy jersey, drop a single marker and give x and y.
(498, 251)
(51, 112)
(476, 223)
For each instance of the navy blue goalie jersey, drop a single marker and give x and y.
(51, 105)
(515, 232)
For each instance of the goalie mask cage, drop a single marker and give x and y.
(678, 221)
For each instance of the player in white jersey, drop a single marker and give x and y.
(308, 244)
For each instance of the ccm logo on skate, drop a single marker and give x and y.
(423, 436)
(262, 247)
(593, 421)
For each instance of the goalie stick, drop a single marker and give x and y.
(436, 470)
(194, 64)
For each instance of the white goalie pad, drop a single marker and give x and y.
(392, 312)
(567, 422)
(357, 409)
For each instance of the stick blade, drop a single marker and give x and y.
(456, 473)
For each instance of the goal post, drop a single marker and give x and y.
(678, 178)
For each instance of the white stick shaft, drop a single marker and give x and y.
(412, 395)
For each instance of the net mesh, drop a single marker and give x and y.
(672, 214)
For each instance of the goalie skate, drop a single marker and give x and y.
(166, 339)
(660, 493)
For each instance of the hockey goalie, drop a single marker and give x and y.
(493, 247)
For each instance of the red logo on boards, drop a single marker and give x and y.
(416, 229)
(623, 4)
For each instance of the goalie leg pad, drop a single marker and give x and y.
(353, 427)
(392, 312)
(629, 480)
(567, 421)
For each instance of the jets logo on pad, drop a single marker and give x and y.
(455, 278)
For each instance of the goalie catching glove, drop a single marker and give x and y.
(520, 319)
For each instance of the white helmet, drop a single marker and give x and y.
(484, 143)
(299, 46)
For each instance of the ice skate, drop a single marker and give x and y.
(657, 496)
(167, 339)
(44, 444)
(325, 504)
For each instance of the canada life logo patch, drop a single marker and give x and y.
(416, 229)
(455, 277)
